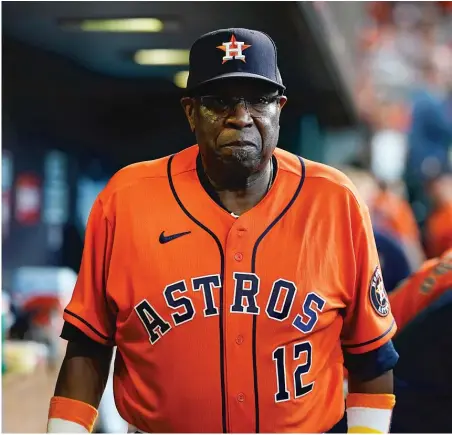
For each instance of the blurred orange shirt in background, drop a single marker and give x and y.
(438, 230)
(41, 307)
(394, 213)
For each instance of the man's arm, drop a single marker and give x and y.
(383, 384)
(370, 404)
(370, 398)
(89, 330)
(80, 384)
(371, 372)
(84, 372)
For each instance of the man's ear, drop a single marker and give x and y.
(189, 109)
(282, 101)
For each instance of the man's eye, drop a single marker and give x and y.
(260, 101)
(220, 101)
(215, 102)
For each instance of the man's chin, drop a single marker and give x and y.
(245, 155)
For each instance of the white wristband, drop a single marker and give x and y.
(368, 420)
(58, 425)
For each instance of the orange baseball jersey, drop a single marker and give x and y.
(228, 324)
(422, 288)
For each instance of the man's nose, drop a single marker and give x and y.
(239, 116)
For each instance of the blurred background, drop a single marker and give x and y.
(89, 87)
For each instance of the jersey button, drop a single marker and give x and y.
(241, 397)
(238, 256)
(239, 339)
(241, 231)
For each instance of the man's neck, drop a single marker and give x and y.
(239, 197)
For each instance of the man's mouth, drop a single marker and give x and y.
(238, 144)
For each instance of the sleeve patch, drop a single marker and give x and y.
(377, 294)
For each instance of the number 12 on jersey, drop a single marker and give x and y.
(279, 356)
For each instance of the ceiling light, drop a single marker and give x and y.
(162, 57)
(180, 79)
(122, 25)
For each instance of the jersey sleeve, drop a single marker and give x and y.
(369, 365)
(89, 309)
(422, 288)
(368, 322)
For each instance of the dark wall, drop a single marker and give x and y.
(126, 119)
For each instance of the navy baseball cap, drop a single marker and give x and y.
(234, 52)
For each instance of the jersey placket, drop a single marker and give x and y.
(239, 287)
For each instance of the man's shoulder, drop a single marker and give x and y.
(134, 174)
(319, 172)
(332, 181)
(315, 173)
(141, 178)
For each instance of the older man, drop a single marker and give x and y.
(230, 276)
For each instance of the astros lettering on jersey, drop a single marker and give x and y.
(230, 324)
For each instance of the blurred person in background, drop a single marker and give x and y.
(38, 297)
(406, 60)
(390, 209)
(422, 307)
(395, 229)
(421, 289)
(392, 212)
(407, 57)
(438, 226)
(438, 171)
(44, 313)
(430, 135)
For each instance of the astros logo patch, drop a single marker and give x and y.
(377, 293)
(233, 50)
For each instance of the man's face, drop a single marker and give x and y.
(233, 132)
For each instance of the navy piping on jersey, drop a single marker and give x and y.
(351, 346)
(104, 337)
(253, 270)
(211, 190)
(220, 249)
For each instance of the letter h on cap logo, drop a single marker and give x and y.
(233, 50)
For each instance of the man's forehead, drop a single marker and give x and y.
(239, 87)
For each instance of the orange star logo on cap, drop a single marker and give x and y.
(233, 50)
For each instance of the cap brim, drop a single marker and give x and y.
(237, 75)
